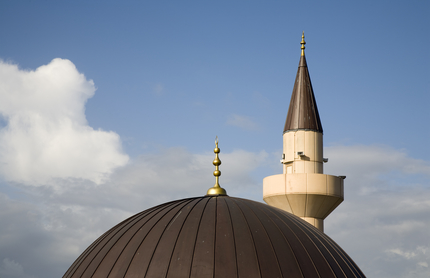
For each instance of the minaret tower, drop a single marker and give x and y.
(303, 189)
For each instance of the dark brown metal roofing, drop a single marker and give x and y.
(303, 111)
(216, 236)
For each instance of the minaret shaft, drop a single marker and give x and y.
(303, 152)
(303, 189)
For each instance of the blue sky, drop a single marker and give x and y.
(168, 76)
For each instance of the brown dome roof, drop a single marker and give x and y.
(214, 236)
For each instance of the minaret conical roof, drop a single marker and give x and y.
(303, 111)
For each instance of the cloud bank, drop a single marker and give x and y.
(384, 221)
(46, 135)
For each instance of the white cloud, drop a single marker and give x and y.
(47, 136)
(407, 255)
(423, 264)
(243, 122)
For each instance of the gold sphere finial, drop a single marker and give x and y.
(303, 43)
(216, 189)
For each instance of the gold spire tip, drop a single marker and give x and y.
(303, 43)
(216, 189)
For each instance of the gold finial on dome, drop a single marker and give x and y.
(216, 189)
(303, 43)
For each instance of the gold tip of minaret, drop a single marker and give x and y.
(303, 43)
(216, 189)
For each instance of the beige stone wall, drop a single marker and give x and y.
(308, 142)
(307, 195)
(303, 189)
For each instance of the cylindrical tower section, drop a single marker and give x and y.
(303, 152)
(311, 196)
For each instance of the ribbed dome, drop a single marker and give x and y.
(216, 236)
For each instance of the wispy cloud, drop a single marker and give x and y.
(158, 89)
(404, 254)
(243, 122)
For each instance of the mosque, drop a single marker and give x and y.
(221, 236)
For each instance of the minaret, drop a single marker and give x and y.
(303, 189)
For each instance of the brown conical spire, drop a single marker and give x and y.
(303, 111)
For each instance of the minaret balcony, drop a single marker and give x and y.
(311, 196)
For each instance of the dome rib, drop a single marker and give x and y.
(233, 236)
(79, 260)
(265, 252)
(225, 251)
(87, 251)
(111, 256)
(320, 263)
(113, 252)
(122, 263)
(302, 256)
(182, 255)
(327, 249)
(247, 258)
(160, 260)
(266, 232)
(319, 260)
(213, 236)
(203, 256)
(142, 257)
(323, 249)
(117, 268)
(283, 248)
(106, 239)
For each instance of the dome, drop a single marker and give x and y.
(214, 236)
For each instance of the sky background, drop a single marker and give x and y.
(109, 108)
